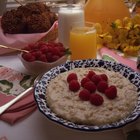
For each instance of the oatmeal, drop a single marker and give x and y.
(67, 104)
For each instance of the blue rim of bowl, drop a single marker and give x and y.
(127, 72)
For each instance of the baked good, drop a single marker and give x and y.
(38, 24)
(30, 18)
(13, 22)
(68, 104)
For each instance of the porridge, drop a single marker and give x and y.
(68, 104)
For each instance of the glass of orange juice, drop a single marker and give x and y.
(83, 42)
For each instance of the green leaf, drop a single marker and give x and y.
(27, 81)
(113, 25)
(8, 85)
(108, 58)
(68, 52)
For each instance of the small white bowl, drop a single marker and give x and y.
(37, 67)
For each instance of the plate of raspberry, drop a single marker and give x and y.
(99, 93)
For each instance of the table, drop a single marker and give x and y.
(37, 127)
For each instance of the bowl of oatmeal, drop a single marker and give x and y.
(66, 95)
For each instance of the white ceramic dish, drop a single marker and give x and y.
(37, 67)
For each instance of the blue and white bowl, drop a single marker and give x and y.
(40, 92)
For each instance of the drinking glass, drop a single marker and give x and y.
(67, 17)
(83, 42)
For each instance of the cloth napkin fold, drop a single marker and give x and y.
(106, 53)
(20, 110)
(12, 83)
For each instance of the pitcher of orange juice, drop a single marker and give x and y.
(105, 11)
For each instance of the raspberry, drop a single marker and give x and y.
(111, 92)
(55, 57)
(90, 86)
(96, 79)
(56, 51)
(84, 80)
(51, 44)
(61, 53)
(102, 86)
(42, 44)
(44, 49)
(72, 76)
(61, 48)
(49, 57)
(31, 46)
(90, 74)
(37, 54)
(28, 57)
(84, 95)
(96, 99)
(59, 44)
(104, 77)
(53, 51)
(74, 85)
(27, 48)
(42, 58)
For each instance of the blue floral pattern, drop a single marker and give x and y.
(40, 92)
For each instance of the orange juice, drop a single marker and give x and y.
(105, 11)
(83, 43)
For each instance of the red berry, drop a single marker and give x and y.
(104, 77)
(74, 85)
(90, 74)
(59, 44)
(84, 80)
(90, 86)
(55, 57)
(96, 79)
(62, 49)
(42, 58)
(102, 86)
(44, 49)
(49, 57)
(31, 46)
(96, 99)
(28, 57)
(50, 44)
(42, 44)
(52, 50)
(111, 92)
(61, 53)
(55, 51)
(37, 54)
(84, 95)
(72, 76)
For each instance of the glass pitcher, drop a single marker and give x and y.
(105, 11)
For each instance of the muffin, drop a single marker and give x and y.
(13, 22)
(30, 18)
(38, 23)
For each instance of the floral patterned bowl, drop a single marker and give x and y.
(40, 92)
